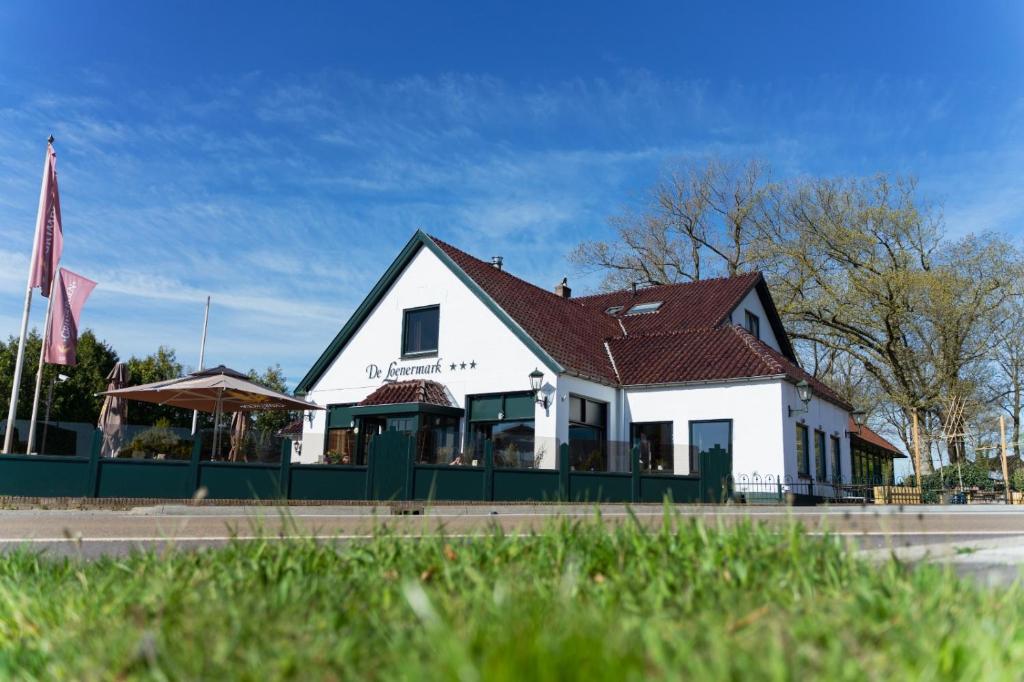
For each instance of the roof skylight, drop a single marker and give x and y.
(649, 307)
(614, 310)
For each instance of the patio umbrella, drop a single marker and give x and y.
(114, 413)
(239, 430)
(215, 390)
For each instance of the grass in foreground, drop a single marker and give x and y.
(578, 601)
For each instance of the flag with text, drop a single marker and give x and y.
(69, 297)
(49, 231)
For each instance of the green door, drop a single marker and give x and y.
(715, 475)
(390, 466)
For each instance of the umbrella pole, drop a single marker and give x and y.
(216, 425)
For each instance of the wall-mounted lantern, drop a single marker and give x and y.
(860, 417)
(536, 383)
(803, 391)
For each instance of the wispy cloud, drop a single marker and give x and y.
(286, 197)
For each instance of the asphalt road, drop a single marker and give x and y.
(953, 534)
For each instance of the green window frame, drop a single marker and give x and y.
(421, 330)
(504, 419)
(803, 451)
(819, 456)
(837, 460)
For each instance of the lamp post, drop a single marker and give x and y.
(803, 391)
(49, 401)
(536, 383)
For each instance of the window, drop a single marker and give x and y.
(588, 442)
(819, 455)
(654, 439)
(419, 330)
(709, 437)
(837, 462)
(438, 439)
(644, 308)
(753, 323)
(803, 452)
(614, 310)
(505, 419)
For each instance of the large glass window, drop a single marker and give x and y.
(837, 466)
(714, 437)
(506, 420)
(819, 455)
(419, 330)
(654, 439)
(438, 441)
(588, 438)
(803, 452)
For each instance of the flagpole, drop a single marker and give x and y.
(202, 359)
(12, 411)
(39, 373)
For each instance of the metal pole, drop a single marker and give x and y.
(202, 360)
(39, 373)
(46, 422)
(12, 411)
(1002, 453)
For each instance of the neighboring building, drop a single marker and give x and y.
(872, 456)
(445, 344)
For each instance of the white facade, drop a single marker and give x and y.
(478, 353)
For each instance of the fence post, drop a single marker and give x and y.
(370, 459)
(94, 463)
(563, 472)
(488, 470)
(634, 473)
(410, 464)
(285, 475)
(778, 483)
(193, 466)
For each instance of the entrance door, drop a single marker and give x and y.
(390, 466)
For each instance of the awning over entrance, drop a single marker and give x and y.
(415, 396)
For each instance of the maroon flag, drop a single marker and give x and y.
(62, 340)
(49, 231)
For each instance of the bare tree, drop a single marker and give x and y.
(700, 220)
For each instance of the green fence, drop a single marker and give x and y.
(391, 475)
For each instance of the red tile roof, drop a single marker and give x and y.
(689, 339)
(413, 391)
(870, 437)
(711, 354)
(570, 332)
(696, 305)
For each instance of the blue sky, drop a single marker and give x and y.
(277, 156)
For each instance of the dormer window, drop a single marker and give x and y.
(641, 308)
(419, 331)
(614, 310)
(753, 323)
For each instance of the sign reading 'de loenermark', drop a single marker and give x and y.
(396, 371)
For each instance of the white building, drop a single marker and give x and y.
(445, 344)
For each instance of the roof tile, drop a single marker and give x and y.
(413, 391)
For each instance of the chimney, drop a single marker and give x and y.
(563, 289)
(496, 261)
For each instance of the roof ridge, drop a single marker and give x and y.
(710, 280)
(669, 332)
(481, 261)
(758, 347)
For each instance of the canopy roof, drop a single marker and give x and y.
(204, 390)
